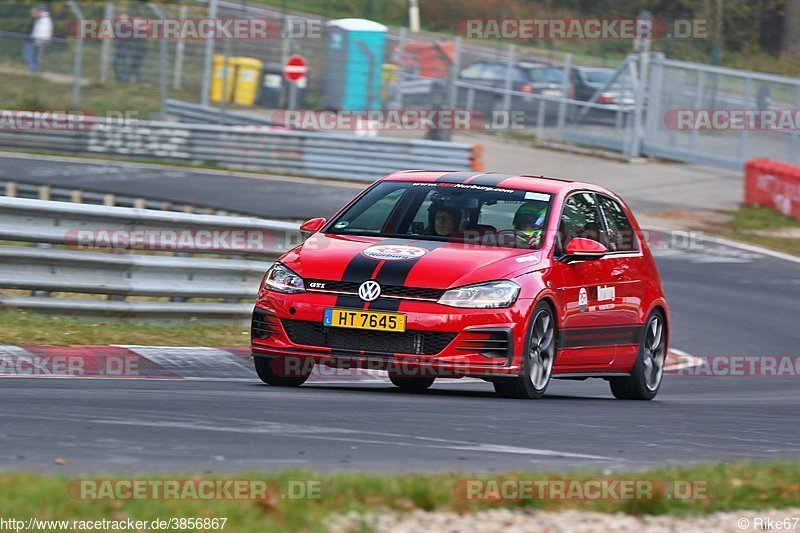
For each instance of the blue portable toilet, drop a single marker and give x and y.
(354, 65)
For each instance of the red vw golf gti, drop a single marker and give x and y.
(512, 279)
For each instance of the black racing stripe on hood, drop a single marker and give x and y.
(457, 177)
(396, 272)
(360, 268)
(490, 180)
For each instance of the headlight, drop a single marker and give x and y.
(282, 279)
(483, 295)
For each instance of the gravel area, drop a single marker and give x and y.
(504, 520)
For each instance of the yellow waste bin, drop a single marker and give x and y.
(218, 80)
(248, 76)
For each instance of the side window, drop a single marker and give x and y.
(580, 218)
(620, 231)
(376, 215)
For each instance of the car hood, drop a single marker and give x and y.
(413, 263)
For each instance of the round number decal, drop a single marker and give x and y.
(388, 252)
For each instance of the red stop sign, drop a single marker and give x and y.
(295, 68)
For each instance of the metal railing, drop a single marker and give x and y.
(297, 152)
(134, 262)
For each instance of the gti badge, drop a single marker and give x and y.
(369, 291)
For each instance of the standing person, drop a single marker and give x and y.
(39, 34)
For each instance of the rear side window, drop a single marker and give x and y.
(580, 218)
(620, 231)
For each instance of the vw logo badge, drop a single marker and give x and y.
(369, 291)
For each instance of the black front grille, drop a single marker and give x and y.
(412, 342)
(263, 325)
(396, 291)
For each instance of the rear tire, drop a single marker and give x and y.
(648, 371)
(266, 369)
(412, 384)
(538, 358)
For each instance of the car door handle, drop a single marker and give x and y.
(617, 273)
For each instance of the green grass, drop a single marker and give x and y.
(21, 327)
(747, 220)
(729, 487)
(21, 91)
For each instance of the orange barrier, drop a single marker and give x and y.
(774, 185)
(476, 158)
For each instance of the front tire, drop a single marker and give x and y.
(411, 384)
(538, 360)
(269, 371)
(645, 379)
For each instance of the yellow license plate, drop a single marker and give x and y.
(357, 319)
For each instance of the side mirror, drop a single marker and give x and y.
(580, 249)
(313, 225)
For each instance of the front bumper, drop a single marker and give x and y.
(440, 340)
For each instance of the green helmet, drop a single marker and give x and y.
(530, 214)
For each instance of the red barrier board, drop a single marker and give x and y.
(774, 185)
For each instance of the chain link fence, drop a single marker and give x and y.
(534, 92)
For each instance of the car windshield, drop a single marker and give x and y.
(484, 215)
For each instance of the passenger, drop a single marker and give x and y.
(529, 222)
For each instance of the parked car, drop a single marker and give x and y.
(588, 80)
(528, 77)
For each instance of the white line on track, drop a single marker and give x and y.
(733, 244)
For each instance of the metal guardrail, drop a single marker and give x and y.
(15, 189)
(200, 114)
(304, 153)
(69, 258)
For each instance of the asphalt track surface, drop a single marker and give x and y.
(724, 301)
(239, 192)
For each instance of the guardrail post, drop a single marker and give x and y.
(11, 189)
(44, 192)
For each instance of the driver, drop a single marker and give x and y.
(444, 221)
(529, 221)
